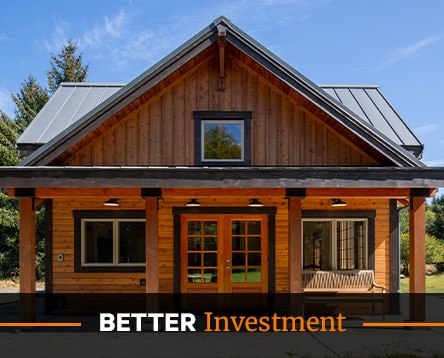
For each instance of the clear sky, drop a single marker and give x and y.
(396, 44)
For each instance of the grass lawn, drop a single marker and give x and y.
(434, 284)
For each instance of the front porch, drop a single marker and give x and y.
(163, 274)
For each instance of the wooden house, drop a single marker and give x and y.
(221, 169)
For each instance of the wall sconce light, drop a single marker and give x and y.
(338, 203)
(193, 203)
(111, 202)
(255, 203)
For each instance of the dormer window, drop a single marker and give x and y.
(222, 138)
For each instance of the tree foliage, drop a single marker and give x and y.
(436, 225)
(434, 250)
(9, 132)
(220, 144)
(28, 101)
(66, 67)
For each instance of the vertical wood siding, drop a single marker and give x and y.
(159, 131)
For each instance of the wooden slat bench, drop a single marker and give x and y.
(342, 287)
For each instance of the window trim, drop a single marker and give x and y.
(81, 216)
(368, 215)
(201, 117)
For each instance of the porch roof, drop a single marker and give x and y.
(225, 177)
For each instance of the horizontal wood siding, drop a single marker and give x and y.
(158, 128)
(66, 280)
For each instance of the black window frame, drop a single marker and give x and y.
(221, 116)
(368, 215)
(79, 215)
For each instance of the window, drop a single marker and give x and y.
(109, 241)
(222, 138)
(335, 244)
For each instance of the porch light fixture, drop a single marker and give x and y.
(193, 203)
(338, 203)
(111, 202)
(255, 203)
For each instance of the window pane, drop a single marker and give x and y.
(351, 245)
(132, 242)
(317, 245)
(254, 259)
(98, 242)
(222, 141)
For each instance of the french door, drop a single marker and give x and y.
(224, 253)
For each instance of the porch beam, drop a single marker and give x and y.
(27, 252)
(152, 246)
(386, 193)
(295, 244)
(417, 258)
(51, 193)
(223, 192)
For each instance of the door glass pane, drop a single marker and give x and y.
(210, 228)
(237, 227)
(254, 259)
(317, 241)
(195, 259)
(238, 275)
(210, 275)
(238, 259)
(254, 275)
(254, 243)
(254, 227)
(210, 243)
(194, 243)
(238, 243)
(202, 249)
(210, 259)
(194, 227)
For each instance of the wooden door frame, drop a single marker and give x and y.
(270, 211)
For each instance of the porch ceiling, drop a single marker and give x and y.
(201, 177)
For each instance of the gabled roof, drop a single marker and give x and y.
(390, 147)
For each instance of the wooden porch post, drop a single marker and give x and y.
(152, 255)
(295, 245)
(27, 252)
(417, 258)
(152, 246)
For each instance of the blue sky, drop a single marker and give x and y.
(396, 44)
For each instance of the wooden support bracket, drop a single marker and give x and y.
(221, 42)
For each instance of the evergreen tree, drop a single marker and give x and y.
(29, 101)
(9, 132)
(436, 228)
(66, 67)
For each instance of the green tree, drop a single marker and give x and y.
(28, 101)
(436, 226)
(66, 67)
(9, 132)
(434, 250)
